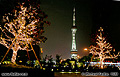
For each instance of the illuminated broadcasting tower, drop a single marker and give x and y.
(73, 29)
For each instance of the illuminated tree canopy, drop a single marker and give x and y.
(102, 49)
(22, 27)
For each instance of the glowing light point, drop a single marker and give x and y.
(85, 49)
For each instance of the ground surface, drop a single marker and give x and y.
(34, 72)
(16, 70)
(58, 74)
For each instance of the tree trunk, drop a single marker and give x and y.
(13, 59)
(101, 63)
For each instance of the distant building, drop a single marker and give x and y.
(41, 54)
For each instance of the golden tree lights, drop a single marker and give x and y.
(22, 28)
(102, 49)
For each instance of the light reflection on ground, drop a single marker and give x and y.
(72, 74)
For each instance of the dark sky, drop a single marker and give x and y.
(90, 15)
(59, 32)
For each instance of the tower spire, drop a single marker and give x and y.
(74, 16)
(74, 29)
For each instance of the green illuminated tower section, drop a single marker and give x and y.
(73, 29)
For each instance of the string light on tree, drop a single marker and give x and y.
(22, 28)
(102, 49)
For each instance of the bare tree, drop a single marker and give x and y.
(102, 49)
(22, 28)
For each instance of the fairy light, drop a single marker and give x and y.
(102, 49)
(24, 29)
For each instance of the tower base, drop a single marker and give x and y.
(74, 54)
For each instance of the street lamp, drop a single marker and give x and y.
(85, 49)
(78, 56)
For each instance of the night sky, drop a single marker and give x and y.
(90, 15)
